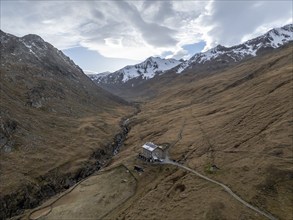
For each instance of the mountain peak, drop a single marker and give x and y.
(32, 38)
(152, 58)
(155, 59)
(220, 47)
(288, 27)
(33, 49)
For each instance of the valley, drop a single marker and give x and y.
(69, 147)
(206, 122)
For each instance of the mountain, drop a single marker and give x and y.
(137, 82)
(233, 126)
(227, 55)
(145, 70)
(97, 76)
(239, 119)
(55, 123)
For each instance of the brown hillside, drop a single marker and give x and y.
(240, 120)
(55, 123)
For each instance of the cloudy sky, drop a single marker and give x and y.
(107, 35)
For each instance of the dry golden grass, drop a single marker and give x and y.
(92, 198)
(240, 120)
(51, 147)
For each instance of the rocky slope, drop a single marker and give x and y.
(55, 123)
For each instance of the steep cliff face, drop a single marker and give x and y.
(53, 119)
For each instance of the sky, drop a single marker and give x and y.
(108, 35)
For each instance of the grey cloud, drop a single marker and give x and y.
(92, 30)
(92, 21)
(179, 54)
(147, 4)
(158, 11)
(158, 35)
(157, 23)
(234, 19)
(97, 14)
(153, 33)
(165, 11)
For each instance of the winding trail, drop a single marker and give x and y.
(226, 188)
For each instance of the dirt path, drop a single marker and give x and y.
(226, 188)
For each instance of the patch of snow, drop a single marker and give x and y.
(183, 66)
(33, 53)
(279, 36)
(28, 46)
(97, 76)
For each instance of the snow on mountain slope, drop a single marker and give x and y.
(94, 76)
(272, 39)
(146, 70)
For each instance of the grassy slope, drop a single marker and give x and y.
(92, 198)
(51, 144)
(240, 120)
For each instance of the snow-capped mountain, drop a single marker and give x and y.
(145, 70)
(97, 76)
(272, 39)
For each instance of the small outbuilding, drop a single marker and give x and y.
(152, 152)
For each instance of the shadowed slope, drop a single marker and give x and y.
(53, 119)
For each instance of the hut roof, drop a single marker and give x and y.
(149, 146)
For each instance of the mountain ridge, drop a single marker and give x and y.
(145, 70)
(220, 55)
(274, 38)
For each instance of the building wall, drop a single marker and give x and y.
(158, 153)
(146, 153)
